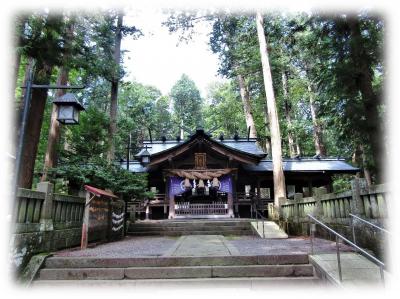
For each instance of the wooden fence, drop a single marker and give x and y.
(42, 210)
(45, 222)
(369, 203)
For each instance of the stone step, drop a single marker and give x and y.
(189, 232)
(192, 224)
(271, 230)
(174, 261)
(187, 228)
(176, 272)
(255, 283)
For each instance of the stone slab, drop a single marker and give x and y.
(262, 271)
(202, 245)
(171, 261)
(168, 272)
(271, 230)
(160, 285)
(356, 269)
(82, 273)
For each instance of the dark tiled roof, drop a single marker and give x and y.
(306, 165)
(249, 147)
(134, 166)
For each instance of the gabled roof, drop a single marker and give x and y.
(246, 152)
(246, 146)
(100, 192)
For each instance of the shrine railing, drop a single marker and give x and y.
(187, 208)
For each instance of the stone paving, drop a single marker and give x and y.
(128, 247)
(356, 269)
(252, 245)
(202, 245)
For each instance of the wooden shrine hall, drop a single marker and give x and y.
(203, 177)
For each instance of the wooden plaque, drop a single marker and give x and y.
(200, 161)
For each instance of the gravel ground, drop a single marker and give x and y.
(246, 245)
(251, 245)
(128, 247)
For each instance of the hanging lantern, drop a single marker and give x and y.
(145, 155)
(68, 109)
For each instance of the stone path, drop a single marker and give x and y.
(356, 269)
(252, 245)
(202, 245)
(128, 247)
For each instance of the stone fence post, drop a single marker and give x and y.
(297, 198)
(46, 221)
(357, 206)
(318, 211)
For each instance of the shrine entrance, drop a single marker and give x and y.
(200, 193)
(208, 204)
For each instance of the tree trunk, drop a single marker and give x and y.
(244, 93)
(291, 142)
(54, 131)
(34, 125)
(267, 144)
(279, 178)
(367, 172)
(359, 158)
(317, 129)
(363, 80)
(114, 90)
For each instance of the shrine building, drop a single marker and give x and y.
(203, 177)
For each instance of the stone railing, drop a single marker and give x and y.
(45, 222)
(43, 211)
(369, 203)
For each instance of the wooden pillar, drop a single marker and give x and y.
(230, 205)
(236, 200)
(165, 209)
(171, 207)
(147, 211)
(85, 224)
(171, 197)
(310, 194)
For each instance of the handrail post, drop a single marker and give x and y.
(382, 274)
(311, 237)
(338, 259)
(263, 228)
(353, 230)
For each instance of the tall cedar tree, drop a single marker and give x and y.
(278, 176)
(114, 89)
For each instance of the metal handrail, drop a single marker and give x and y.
(258, 214)
(370, 223)
(362, 251)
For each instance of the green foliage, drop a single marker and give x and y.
(187, 103)
(100, 174)
(224, 111)
(342, 182)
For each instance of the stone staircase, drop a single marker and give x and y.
(224, 227)
(293, 266)
(271, 230)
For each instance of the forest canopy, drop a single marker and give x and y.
(327, 75)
